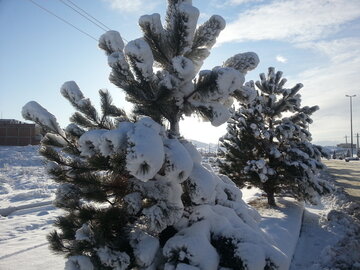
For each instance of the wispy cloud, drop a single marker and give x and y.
(132, 6)
(240, 2)
(291, 20)
(281, 59)
(326, 85)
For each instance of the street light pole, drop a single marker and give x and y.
(351, 122)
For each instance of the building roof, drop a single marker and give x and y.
(10, 121)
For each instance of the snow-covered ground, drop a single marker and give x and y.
(329, 235)
(26, 193)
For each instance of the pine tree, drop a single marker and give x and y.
(135, 194)
(268, 144)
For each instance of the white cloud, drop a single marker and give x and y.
(291, 20)
(132, 5)
(240, 2)
(281, 59)
(327, 86)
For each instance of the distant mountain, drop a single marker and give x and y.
(326, 143)
(205, 146)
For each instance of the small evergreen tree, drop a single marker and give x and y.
(268, 143)
(135, 194)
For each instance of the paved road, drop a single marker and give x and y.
(347, 175)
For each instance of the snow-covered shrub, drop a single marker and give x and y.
(268, 143)
(136, 195)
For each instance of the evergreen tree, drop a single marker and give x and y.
(135, 194)
(268, 144)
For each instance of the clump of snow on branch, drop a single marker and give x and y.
(243, 62)
(189, 16)
(111, 42)
(90, 141)
(154, 22)
(145, 153)
(141, 58)
(33, 111)
(114, 259)
(178, 162)
(72, 92)
(79, 263)
(145, 247)
(207, 33)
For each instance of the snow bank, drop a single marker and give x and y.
(283, 226)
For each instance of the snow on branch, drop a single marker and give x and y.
(188, 16)
(111, 42)
(243, 62)
(206, 34)
(140, 58)
(33, 111)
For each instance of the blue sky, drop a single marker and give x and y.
(316, 43)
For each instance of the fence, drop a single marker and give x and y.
(13, 132)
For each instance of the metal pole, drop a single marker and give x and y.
(351, 128)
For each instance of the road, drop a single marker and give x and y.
(347, 175)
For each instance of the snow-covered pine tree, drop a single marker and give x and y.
(268, 144)
(135, 194)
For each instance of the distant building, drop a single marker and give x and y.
(346, 145)
(13, 132)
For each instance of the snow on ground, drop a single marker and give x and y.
(26, 193)
(283, 224)
(22, 177)
(329, 235)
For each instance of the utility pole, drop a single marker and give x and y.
(346, 139)
(351, 128)
(357, 143)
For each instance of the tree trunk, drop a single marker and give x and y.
(269, 190)
(174, 125)
(271, 199)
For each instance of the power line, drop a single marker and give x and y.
(63, 20)
(89, 15)
(108, 28)
(87, 18)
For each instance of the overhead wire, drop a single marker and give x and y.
(87, 18)
(104, 25)
(105, 28)
(63, 20)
